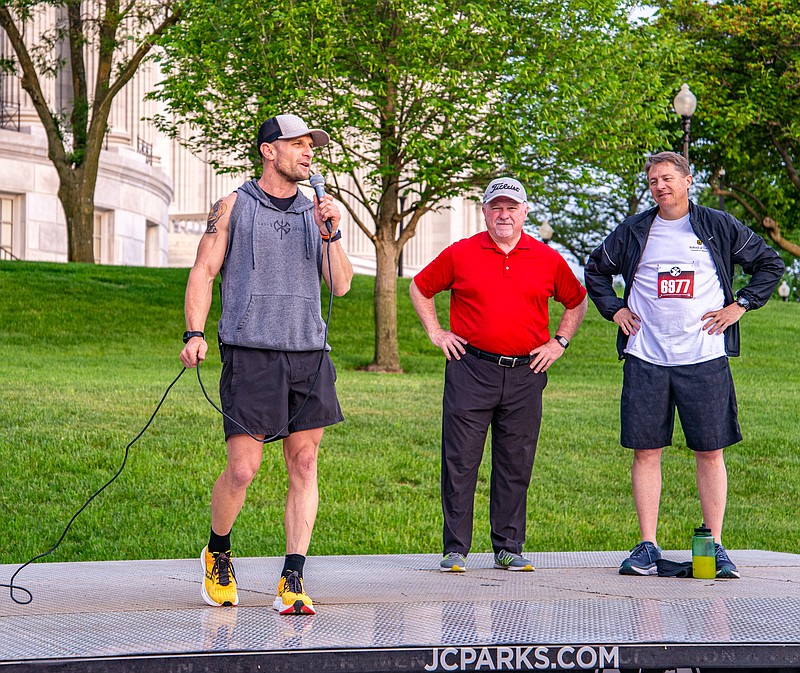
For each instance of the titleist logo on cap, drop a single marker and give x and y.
(508, 187)
(503, 185)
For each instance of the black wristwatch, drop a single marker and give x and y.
(562, 340)
(190, 335)
(743, 303)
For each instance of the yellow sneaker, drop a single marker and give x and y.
(219, 583)
(292, 598)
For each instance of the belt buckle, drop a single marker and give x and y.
(508, 359)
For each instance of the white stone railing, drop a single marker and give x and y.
(188, 223)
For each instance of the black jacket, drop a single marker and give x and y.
(728, 241)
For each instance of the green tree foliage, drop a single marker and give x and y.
(745, 65)
(631, 79)
(113, 38)
(428, 100)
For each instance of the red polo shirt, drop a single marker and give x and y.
(498, 301)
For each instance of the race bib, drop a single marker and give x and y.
(676, 281)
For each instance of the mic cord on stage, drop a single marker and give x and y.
(28, 594)
(16, 587)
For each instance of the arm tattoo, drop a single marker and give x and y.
(217, 211)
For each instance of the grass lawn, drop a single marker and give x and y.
(88, 351)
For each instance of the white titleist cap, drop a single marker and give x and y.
(508, 187)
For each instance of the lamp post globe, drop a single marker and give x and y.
(546, 232)
(685, 103)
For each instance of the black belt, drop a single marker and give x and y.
(502, 360)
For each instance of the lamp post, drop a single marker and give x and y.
(784, 290)
(546, 232)
(401, 198)
(685, 103)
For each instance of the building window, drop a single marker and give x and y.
(152, 245)
(102, 237)
(6, 227)
(9, 101)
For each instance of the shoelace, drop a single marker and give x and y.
(639, 548)
(506, 558)
(293, 583)
(223, 569)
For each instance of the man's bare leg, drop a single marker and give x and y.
(230, 489)
(712, 486)
(646, 481)
(300, 450)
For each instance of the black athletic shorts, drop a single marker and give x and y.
(262, 390)
(703, 395)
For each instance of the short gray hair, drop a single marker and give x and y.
(678, 160)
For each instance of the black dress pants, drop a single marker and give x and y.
(479, 394)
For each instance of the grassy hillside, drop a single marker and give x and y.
(88, 351)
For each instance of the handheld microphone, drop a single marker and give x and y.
(318, 183)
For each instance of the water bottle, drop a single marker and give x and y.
(704, 561)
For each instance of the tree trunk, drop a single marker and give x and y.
(77, 167)
(387, 357)
(77, 199)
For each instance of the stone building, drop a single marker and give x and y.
(152, 196)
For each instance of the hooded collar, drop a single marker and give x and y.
(253, 189)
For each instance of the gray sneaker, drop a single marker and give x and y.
(506, 560)
(725, 567)
(642, 560)
(453, 563)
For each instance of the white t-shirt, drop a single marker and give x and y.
(675, 284)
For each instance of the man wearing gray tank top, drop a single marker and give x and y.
(271, 246)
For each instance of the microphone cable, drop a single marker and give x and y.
(12, 587)
(16, 587)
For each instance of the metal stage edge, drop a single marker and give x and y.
(399, 613)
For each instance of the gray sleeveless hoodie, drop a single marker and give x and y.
(271, 275)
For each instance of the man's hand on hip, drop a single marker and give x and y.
(545, 355)
(451, 344)
(719, 321)
(628, 321)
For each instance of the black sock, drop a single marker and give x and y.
(218, 543)
(293, 562)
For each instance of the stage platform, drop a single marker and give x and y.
(399, 613)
